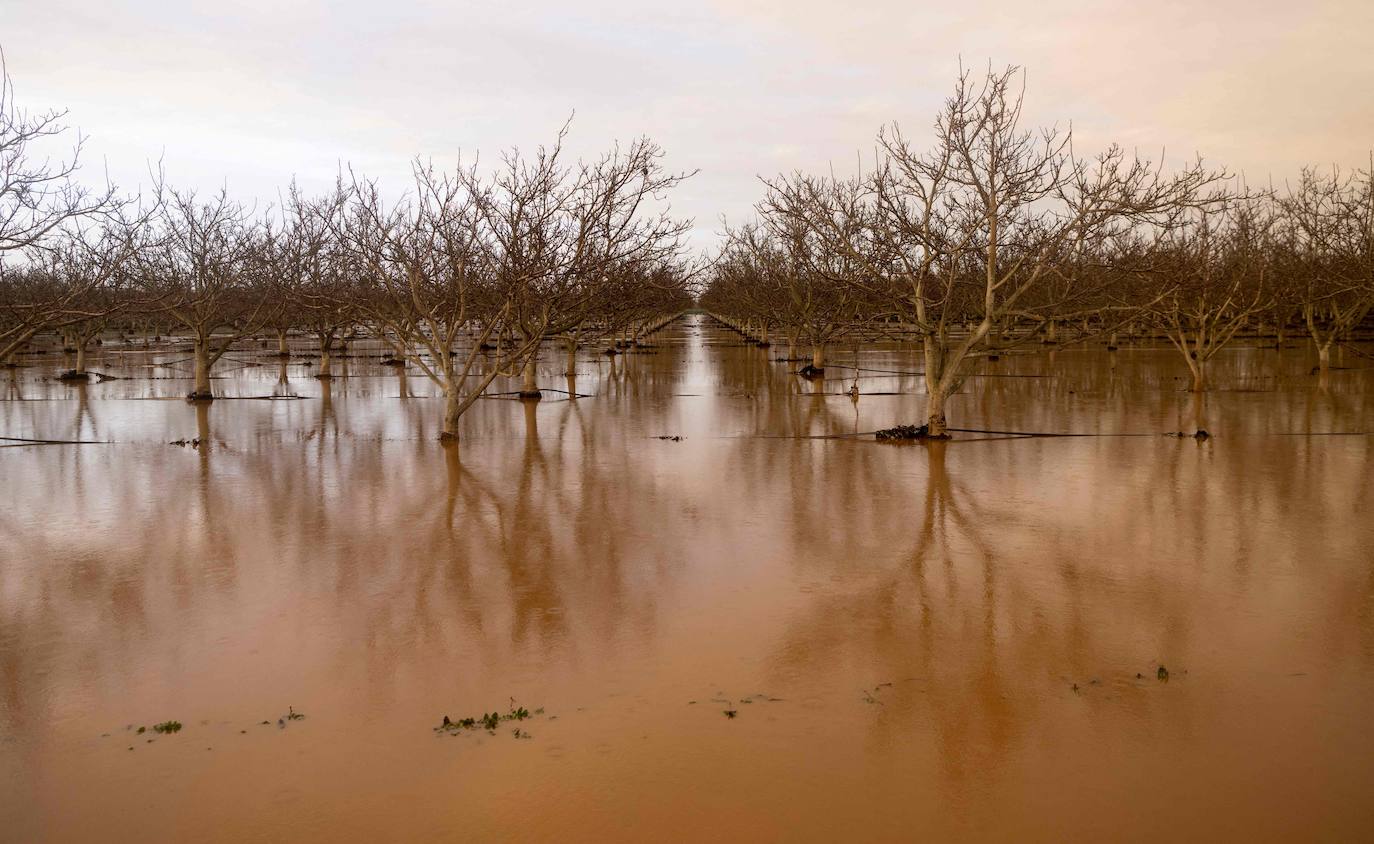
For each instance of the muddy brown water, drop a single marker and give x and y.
(919, 642)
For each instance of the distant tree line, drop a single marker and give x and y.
(463, 276)
(990, 237)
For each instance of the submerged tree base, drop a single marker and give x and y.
(73, 375)
(908, 432)
(530, 395)
(200, 396)
(811, 371)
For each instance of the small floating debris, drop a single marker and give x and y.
(166, 727)
(291, 715)
(1200, 435)
(193, 443)
(1162, 674)
(731, 713)
(677, 438)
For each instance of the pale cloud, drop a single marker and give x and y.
(254, 93)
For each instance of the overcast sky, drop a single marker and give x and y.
(252, 93)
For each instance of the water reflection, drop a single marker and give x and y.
(923, 612)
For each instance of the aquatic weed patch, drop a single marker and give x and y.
(488, 721)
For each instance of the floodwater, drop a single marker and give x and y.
(959, 640)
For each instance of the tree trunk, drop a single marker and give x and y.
(936, 425)
(324, 365)
(1199, 368)
(1199, 413)
(203, 430)
(202, 353)
(326, 344)
(81, 357)
(941, 379)
(452, 411)
(818, 356)
(1324, 364)
(8, 352)
(571, 369)
(529, 386)
(281, 344)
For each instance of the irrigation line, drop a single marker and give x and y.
(27, 441)
(1321, 434)
(1042, 434)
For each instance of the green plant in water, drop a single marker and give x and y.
(166, 727)
(488, 721)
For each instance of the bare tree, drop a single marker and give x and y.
(1216, 275)
(199, 263)
(72, 284)
(500, 261)
(1329, 247)
(420, 269)
(38, 194)
(974, 234)
(313, 275)
(555, 233)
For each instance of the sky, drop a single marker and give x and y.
(252, 94)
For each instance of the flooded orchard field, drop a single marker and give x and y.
(772, 628)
